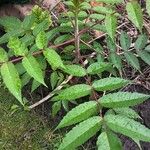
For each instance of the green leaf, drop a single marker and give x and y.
(40, 27)
(17, 46)
(33, 68)
(53, 58)
(10, 23)
(74, 92)
(111, 25)
(55, 108)
(141, 42)
(132, 60)
(116, 60)
(35, 85)
(147, 48)
(135, 14)
(145, 56)
(75, 70)
(98, 67)
(110, 1)
(148, 6)
(97, 16)
(11, 79)
(25, 79)
(62, 38)
(125, 41)
(79, 113)
(128, 112)
(103, 10)
(108, 84)
(81, 133)
(111, 44)
(122, 99)
(28, 22)
(41, 40)
(13, 33)
(3, 55)
(54, 79)
(128, 127)
(108, 141)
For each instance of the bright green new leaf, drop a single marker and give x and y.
(98, 67)
(128, 112)
(111, 25)
(108, 84)
(17, 46)
(53, 58)
(11, 79)
(132, 60)
(3, 55)
(141, 42)
(41, 40)
(81, 133)
(122, 99)
(25, 79)
(135, 14)
(128, 127)
(33, 68)
(125, 41)
(79, 113)
(74, 92)
(75, 70)
(108, 141)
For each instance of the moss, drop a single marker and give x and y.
(23, 130)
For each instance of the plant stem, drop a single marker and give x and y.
(77, 37)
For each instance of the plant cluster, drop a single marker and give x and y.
(102, 109)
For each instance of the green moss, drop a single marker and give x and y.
(23, 130)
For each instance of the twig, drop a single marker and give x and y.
(51, 93)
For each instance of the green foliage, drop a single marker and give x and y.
(128, 127)
(81, 133)
(109, 141)
(135, 14)
(45, 51)
(110, 83)
(74, 92)
(122, 99)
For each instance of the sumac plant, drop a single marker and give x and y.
(38, 48)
